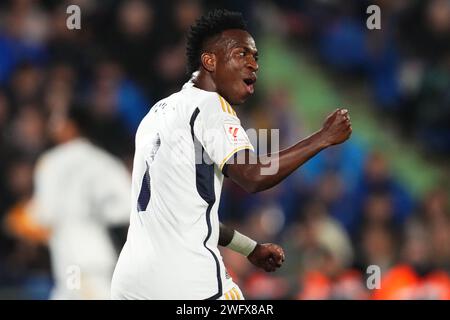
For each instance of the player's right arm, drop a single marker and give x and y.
(336, 129)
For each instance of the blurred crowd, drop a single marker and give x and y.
(345, 210)
(406, 63)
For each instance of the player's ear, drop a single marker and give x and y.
(209, 61)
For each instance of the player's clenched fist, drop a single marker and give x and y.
(337, 127)
(267, 256)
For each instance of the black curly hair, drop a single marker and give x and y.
(208, 26)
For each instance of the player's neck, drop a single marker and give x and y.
(69, 136)
(204, 81)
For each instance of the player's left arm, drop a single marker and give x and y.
(267, 256)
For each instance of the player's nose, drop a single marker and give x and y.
(255, 66)
(252, 64)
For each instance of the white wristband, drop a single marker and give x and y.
(242, 244)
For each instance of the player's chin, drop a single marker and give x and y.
(238, 100)
(242, 97)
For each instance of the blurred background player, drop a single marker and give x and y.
(80, 193)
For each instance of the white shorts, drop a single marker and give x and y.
(232, 292)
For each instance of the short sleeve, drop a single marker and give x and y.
(112, 192)
(219, 130)
(44, 209)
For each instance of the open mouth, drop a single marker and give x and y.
(249, 81)
(249, 84)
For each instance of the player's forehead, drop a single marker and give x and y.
(235, 38)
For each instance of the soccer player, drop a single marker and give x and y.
(81, 192)
(185, 146)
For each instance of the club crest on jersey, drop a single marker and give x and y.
(235, 133)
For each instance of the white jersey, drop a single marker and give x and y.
(171, 250)
(80, 190)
